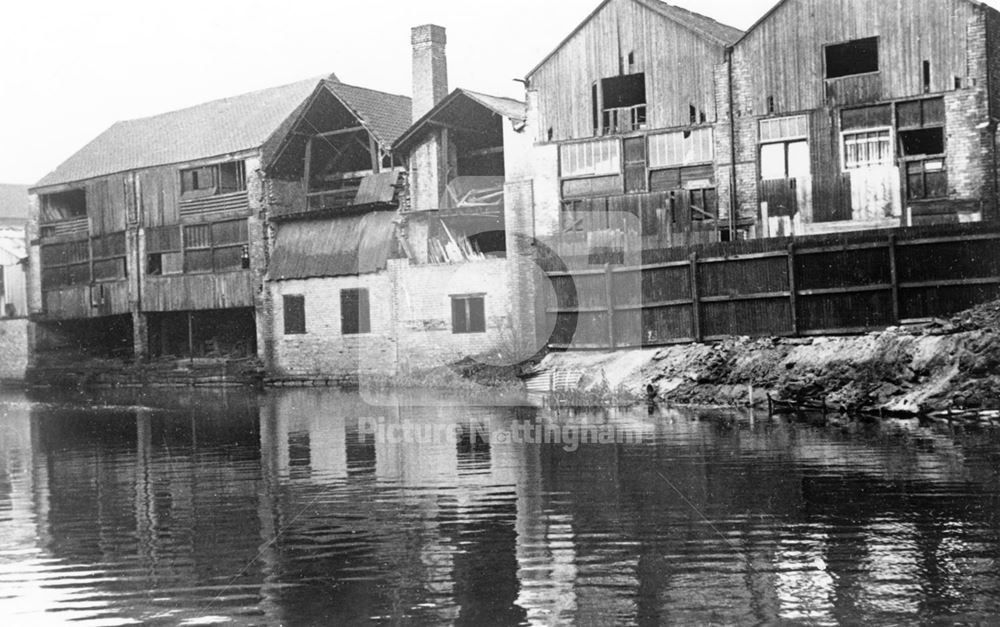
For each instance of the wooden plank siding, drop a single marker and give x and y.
(679, 66)
(786, 54)
(191, 292)
(105, 298)
(832, 284)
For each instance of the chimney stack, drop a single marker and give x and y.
(430, 68)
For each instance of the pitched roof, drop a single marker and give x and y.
(219, 127)
(346, 246)
(504, 107)
(387, 116)
(701, 24)
(695, 21)
(13, 203)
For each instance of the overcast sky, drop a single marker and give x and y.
(68, 70)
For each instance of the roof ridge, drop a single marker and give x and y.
(483, 93)
(144, 118)
(378, 91)
(657, 4)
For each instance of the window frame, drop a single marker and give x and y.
(215, 189)
(213, 247)
(890, 160)
(467, 326)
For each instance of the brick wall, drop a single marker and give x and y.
(14, 348)
(411, 326)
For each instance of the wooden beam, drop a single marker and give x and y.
(493, 150)
(308, 168)
(340, 131)
(373, 150)
(458, 127)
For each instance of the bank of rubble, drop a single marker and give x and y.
(937, 365)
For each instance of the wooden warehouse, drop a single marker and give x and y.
(630, 99)
(151, 239)
(861, 114)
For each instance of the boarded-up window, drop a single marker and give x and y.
(294, 309)
(65, 264)
(468, 314)
(355, 312)
(592, 158)
(163, 250)
(218, 247)
(681, 148)
(866, 117)
(853, 57)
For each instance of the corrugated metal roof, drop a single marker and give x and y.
(333, 247)
(13, 203)
(387, 116)
(219, 127)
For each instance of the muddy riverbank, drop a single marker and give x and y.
(916, 369)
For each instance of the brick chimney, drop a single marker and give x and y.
(430, 68)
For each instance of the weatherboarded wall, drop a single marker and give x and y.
(14, 348)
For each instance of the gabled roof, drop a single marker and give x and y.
(764, 18)
(504, 107)
(13, 203)
(700, 24)
(387, 116)
(215, 128)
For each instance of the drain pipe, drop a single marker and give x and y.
(732, 145)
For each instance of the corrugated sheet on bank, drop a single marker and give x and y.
(333, 247)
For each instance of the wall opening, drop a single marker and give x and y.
(853, 57)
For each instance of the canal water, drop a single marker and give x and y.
(314, 507)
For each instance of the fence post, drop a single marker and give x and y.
(695, 300)
(792, 289)
(609, 301)
(894, 274)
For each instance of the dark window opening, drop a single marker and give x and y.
(355, 312)
(550, 133)
(468, 314)
(920, 113)
(927, 76)
(595, 109)
(631, 60)
(492, 243)
(624, 103)
(66, 205)
(928, 141)
(770, 105)
(154, 264)
(295, 314)
(693, 114)
(853, 57)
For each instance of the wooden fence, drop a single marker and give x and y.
(819, 285)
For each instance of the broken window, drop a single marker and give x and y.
(867, 149)
(355, 312)
(68, 205)
(163, 251)
(623, 103)
(593, 158)
(680, 148)
(468, 314)
(853, 57)
(920, 126)
(294, 309)
(704, 204)
(211, 180)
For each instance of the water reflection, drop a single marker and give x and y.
(314, 507)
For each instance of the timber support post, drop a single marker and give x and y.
(695, 300)
(610, 302)
(792, 295)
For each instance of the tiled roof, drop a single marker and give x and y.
(13, 203)
(387, 116)
(214, 128)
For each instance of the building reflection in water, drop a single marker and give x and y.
(287, 508)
